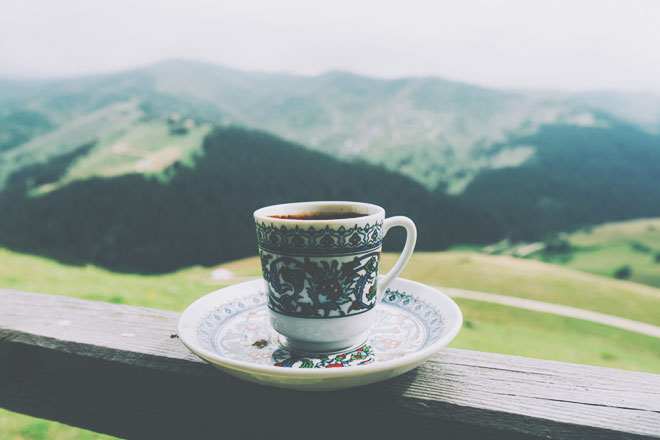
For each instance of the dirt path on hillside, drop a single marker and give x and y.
(556, 309)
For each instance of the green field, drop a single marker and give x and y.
(495, 328)
(605, 249)
(488, 327)
(145, 147)
(21, 427)
(93, 126)
(172, 291)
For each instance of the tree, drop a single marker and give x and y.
(623, 273)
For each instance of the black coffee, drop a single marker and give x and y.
(320, 216)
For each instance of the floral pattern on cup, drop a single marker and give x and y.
(302, 241)
(320, 288)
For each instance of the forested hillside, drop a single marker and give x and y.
(203, 214)
(579, 176)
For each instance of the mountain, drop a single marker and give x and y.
(438, 132)
(578, 176)
(108, 169)
(202, 213)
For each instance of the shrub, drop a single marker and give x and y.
(640, 247)
(557, 246)
(623, 273)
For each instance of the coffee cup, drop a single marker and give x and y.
(320, 261)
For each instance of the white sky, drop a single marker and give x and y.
(570, 45)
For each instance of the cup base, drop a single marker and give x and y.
(300, 346)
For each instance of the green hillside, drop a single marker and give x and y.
(125, 142)
(201, 213)
(87, 128)
(627, 250)
(145, 147)
(579, 176)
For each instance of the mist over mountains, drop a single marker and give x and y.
(437, 132)
(511, 164)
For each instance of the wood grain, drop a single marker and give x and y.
(117, 369)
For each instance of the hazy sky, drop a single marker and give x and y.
(555, 44)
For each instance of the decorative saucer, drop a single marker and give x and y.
(230, 329)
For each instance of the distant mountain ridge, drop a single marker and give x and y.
(438, 132)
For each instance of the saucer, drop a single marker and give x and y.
(230, 329)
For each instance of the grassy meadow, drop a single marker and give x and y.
(487, 327)
(147, 147)
(604, 250)
(21, 427)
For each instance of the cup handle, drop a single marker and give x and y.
(411, 239)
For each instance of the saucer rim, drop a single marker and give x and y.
(245, 288)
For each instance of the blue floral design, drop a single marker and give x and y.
(427, 315)
(300, 241)
(210, 324)
(320, 289)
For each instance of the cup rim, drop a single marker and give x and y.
(373, 212)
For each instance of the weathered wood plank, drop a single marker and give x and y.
(116, 369)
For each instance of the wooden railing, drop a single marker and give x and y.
(121, 370)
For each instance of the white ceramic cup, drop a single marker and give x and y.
(320, 261)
